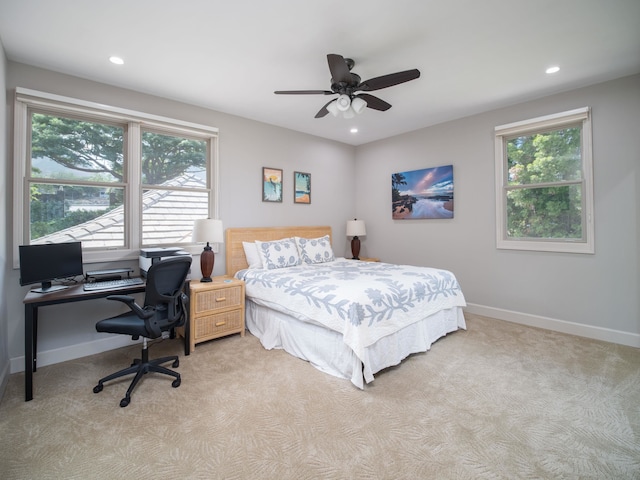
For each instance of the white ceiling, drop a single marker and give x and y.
(230, 56)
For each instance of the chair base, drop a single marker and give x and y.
(140, 367)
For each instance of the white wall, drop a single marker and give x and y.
(245, 146)
(592, 295)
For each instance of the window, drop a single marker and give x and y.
(115, 179)
(174, 179)
(75, 176)
(544, 185)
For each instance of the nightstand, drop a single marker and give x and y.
(367, 259)
(216, 309)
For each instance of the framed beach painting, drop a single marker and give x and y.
(302, 187)
(426, 193)
(271, 184)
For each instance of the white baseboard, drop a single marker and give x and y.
(581, 330)
(57, 355)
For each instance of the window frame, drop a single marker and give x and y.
(579, 117)
(27, 100)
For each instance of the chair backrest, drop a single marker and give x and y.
(164, 292)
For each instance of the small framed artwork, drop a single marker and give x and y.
(271, 184)
(426, 193)
(302, 187)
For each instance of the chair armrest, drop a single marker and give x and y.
(131, 303)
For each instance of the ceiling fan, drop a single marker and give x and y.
(347, 85)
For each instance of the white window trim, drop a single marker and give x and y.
(585, 245)
(26, 98)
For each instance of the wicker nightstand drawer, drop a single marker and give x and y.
(217, 299)
(212, 326)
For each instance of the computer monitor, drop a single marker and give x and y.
(49, 261)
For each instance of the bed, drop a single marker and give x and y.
(348, 318)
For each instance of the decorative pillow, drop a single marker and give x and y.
(278, 254)
(315, 250)
(251, 252)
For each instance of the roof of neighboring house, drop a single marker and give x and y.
(167, 218)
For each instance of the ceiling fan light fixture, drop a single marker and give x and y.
(358, 104)
(345, 83)
(343, 102)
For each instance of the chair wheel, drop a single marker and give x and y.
(124, 402)
(98, 388)
(175, 364)
(175, 383)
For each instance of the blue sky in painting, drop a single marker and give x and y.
(428, 181)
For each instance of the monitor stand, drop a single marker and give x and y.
(48, 288)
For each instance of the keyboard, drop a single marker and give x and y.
(109, 284)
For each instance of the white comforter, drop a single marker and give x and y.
(364, 301)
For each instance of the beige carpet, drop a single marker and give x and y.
(498, 401)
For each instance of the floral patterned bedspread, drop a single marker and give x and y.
(364, 301)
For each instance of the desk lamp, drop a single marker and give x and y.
(356, 228)
(207, 230)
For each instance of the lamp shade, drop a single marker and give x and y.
(349, 113)
(358, 104)
(356, 228)
(208, 230)
(343, 103)
(333, 108)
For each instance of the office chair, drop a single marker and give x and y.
(165, 307)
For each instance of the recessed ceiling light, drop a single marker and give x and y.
(116, 60)
(553, 69)
(354, 130)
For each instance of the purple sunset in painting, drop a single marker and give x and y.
(426, 193)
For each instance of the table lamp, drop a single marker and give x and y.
(207, 230)
(356, 228)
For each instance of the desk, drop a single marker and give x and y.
(33, 301)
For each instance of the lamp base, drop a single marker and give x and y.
(206, 263)
(355, 248)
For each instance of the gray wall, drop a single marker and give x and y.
(4, 239)
(596, 295)
(598, 291)
(245, 147)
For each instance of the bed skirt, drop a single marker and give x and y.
(326, 351)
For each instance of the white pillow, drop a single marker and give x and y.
(315, 250)
(278, 254)
(251, 252)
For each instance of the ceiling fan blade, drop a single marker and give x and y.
(323, 111)
(339, 69)
(374, 102)
(389, 80)
(303, 92)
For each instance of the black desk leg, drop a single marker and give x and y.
(35, 339)
(30, 322)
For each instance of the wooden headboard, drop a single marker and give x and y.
(235, 257)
